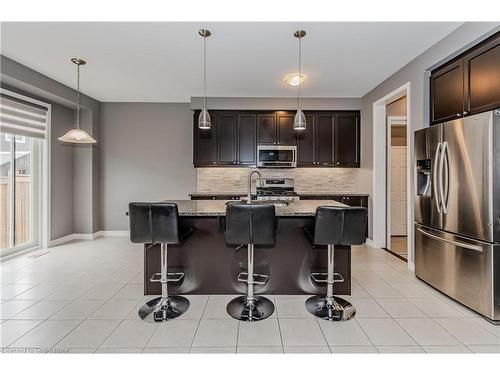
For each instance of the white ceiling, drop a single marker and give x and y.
(162, 62)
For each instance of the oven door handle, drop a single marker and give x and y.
(456, 243)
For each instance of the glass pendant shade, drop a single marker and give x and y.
(77, 136)
(299, 121)
(204, 121)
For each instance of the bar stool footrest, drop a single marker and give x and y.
(258, 278)
(172, 277)
(322, 277)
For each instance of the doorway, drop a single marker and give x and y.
(396, 186)
(381, 201)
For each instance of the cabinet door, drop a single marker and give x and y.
(447, 93)
(205, 142)
(247, 139)
(267, 129)
(482, 78)
(287, 135)
(227, 128)
(324, 139)
(346, 140)
(306, 150)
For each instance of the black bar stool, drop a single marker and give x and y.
(158, 223)
(334, 226)
(251, 225)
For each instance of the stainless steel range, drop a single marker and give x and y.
(277, 189)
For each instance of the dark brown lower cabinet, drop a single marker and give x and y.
(349, 200)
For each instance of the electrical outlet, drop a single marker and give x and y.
(330, 178)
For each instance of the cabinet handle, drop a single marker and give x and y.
(458, 115)
(214, 162)
(465, 113)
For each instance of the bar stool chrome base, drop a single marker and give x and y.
(155, 311)
(318, 306)
(247, 310)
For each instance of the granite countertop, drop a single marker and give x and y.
(201, 193)
(331, 193)
(218, 207)
(298, 192)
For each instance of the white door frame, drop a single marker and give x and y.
(391, 120)
(380, 169)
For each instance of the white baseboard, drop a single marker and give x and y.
(113, 233)
(370, 243)
(88, 236)
(61, 240)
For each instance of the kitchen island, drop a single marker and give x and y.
(211, 267)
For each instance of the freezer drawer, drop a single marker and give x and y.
(464, 269)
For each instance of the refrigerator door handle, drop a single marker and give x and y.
(435, 178)
(441, 177)
(456, 243)
(446, 164)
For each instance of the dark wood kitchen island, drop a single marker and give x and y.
(211, 267)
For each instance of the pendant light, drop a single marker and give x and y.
(77, 135)
(299, 121)
(204, 121)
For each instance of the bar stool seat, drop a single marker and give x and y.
(334, 226)
(158, 223)
(251, 225)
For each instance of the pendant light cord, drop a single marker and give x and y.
(205, 72)
(78, 96)
(300, 73)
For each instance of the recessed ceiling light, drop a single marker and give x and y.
(293, 79)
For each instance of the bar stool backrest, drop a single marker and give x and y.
(250, 224)
(340, 225)
(154, 223)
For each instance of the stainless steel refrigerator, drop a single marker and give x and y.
(457, 210)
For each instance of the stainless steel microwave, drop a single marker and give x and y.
(276, 156)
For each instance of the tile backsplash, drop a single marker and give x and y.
(310, 180)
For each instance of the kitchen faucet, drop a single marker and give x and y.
(249, 197)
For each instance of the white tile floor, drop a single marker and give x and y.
(83, 297)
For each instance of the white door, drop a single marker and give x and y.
(398, 191)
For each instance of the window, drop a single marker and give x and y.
(23, 156)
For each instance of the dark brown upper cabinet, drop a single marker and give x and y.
(277, 129)
(247, 139)
(205, 143)
(447, 93)
(306, 143)
(267, 129)
(331, 139)
(286, 134)
(227, 135)
(324, 139)
(346, 150)
(231, 141)
(467, 85)
(482, 72)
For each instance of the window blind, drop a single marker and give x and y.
(22, 118)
